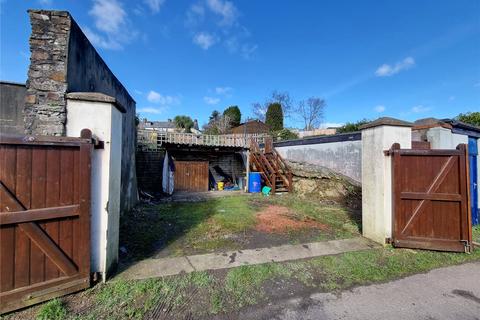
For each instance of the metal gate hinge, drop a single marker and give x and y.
(466, 244)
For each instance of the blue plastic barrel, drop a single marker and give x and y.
(254, 182)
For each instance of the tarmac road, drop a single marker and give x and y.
(447, 293)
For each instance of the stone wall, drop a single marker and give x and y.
(316, 182)
(62, 61)
(45, 105)
(12, 97)
(341, 153)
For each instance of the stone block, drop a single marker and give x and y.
(31, 99)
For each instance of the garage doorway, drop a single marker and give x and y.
(191, 176)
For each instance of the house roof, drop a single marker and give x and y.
(386, 121)
(159, 124)
(463, 128)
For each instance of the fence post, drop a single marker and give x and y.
(377, 136)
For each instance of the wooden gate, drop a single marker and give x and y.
(191, 176)
(430, 199)
(44, 218)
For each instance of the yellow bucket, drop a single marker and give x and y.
(220, 185)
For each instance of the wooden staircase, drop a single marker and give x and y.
(274, 170)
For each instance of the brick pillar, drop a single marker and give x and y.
(45, 104)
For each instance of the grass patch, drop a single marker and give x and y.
(220, 224)
(135, 299)
(52, 310)
(192, 226)
(203, 294)
(476, 233)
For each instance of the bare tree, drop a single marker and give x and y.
(219, 124)
(259, 110)
(281, 97)
(285, 101)
(310, 111)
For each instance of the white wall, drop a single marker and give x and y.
(377, 178)
(105, 122)
(443, 138)
(344, 157)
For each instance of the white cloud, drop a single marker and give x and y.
(225, 28)
(451, 98)
(113, 27)
(386, 70)
(152, 110)
(223, 90)
(420, 109)
(109, 15)
(139, 92)
(163, 100)
(45, 2)
(204, 39)
(225, 9)
(211, 100)
(380, 108)
(154, 5)
(195, 15)
(101, 41)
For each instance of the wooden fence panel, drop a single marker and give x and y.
(44, 218)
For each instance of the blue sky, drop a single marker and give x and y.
(406, 59)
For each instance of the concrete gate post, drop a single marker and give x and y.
(377, 136)
(103, 116)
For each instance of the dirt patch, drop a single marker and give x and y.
(278, 219)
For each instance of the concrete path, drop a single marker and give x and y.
(152, 268)
(448, 293)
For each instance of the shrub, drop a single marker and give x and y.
(286, 134)
(352, 126)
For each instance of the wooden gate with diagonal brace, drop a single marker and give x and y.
(44, 218)
(430, 199)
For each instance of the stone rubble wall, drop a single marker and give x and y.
(63, 60)
(317, 182)
(45, 104)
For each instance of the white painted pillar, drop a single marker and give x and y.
(101, 114)
(377, 136)
(443, 138)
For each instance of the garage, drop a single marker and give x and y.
(191, 175)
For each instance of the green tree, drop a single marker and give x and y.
(274, 117)
(352, 126)
(214, 116)
(183, 122)
(234, 115)
(470, 118)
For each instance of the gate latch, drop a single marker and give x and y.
(466, 244)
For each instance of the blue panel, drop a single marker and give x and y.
(472, 146)
(472, 157)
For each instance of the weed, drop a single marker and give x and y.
(52, 310)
